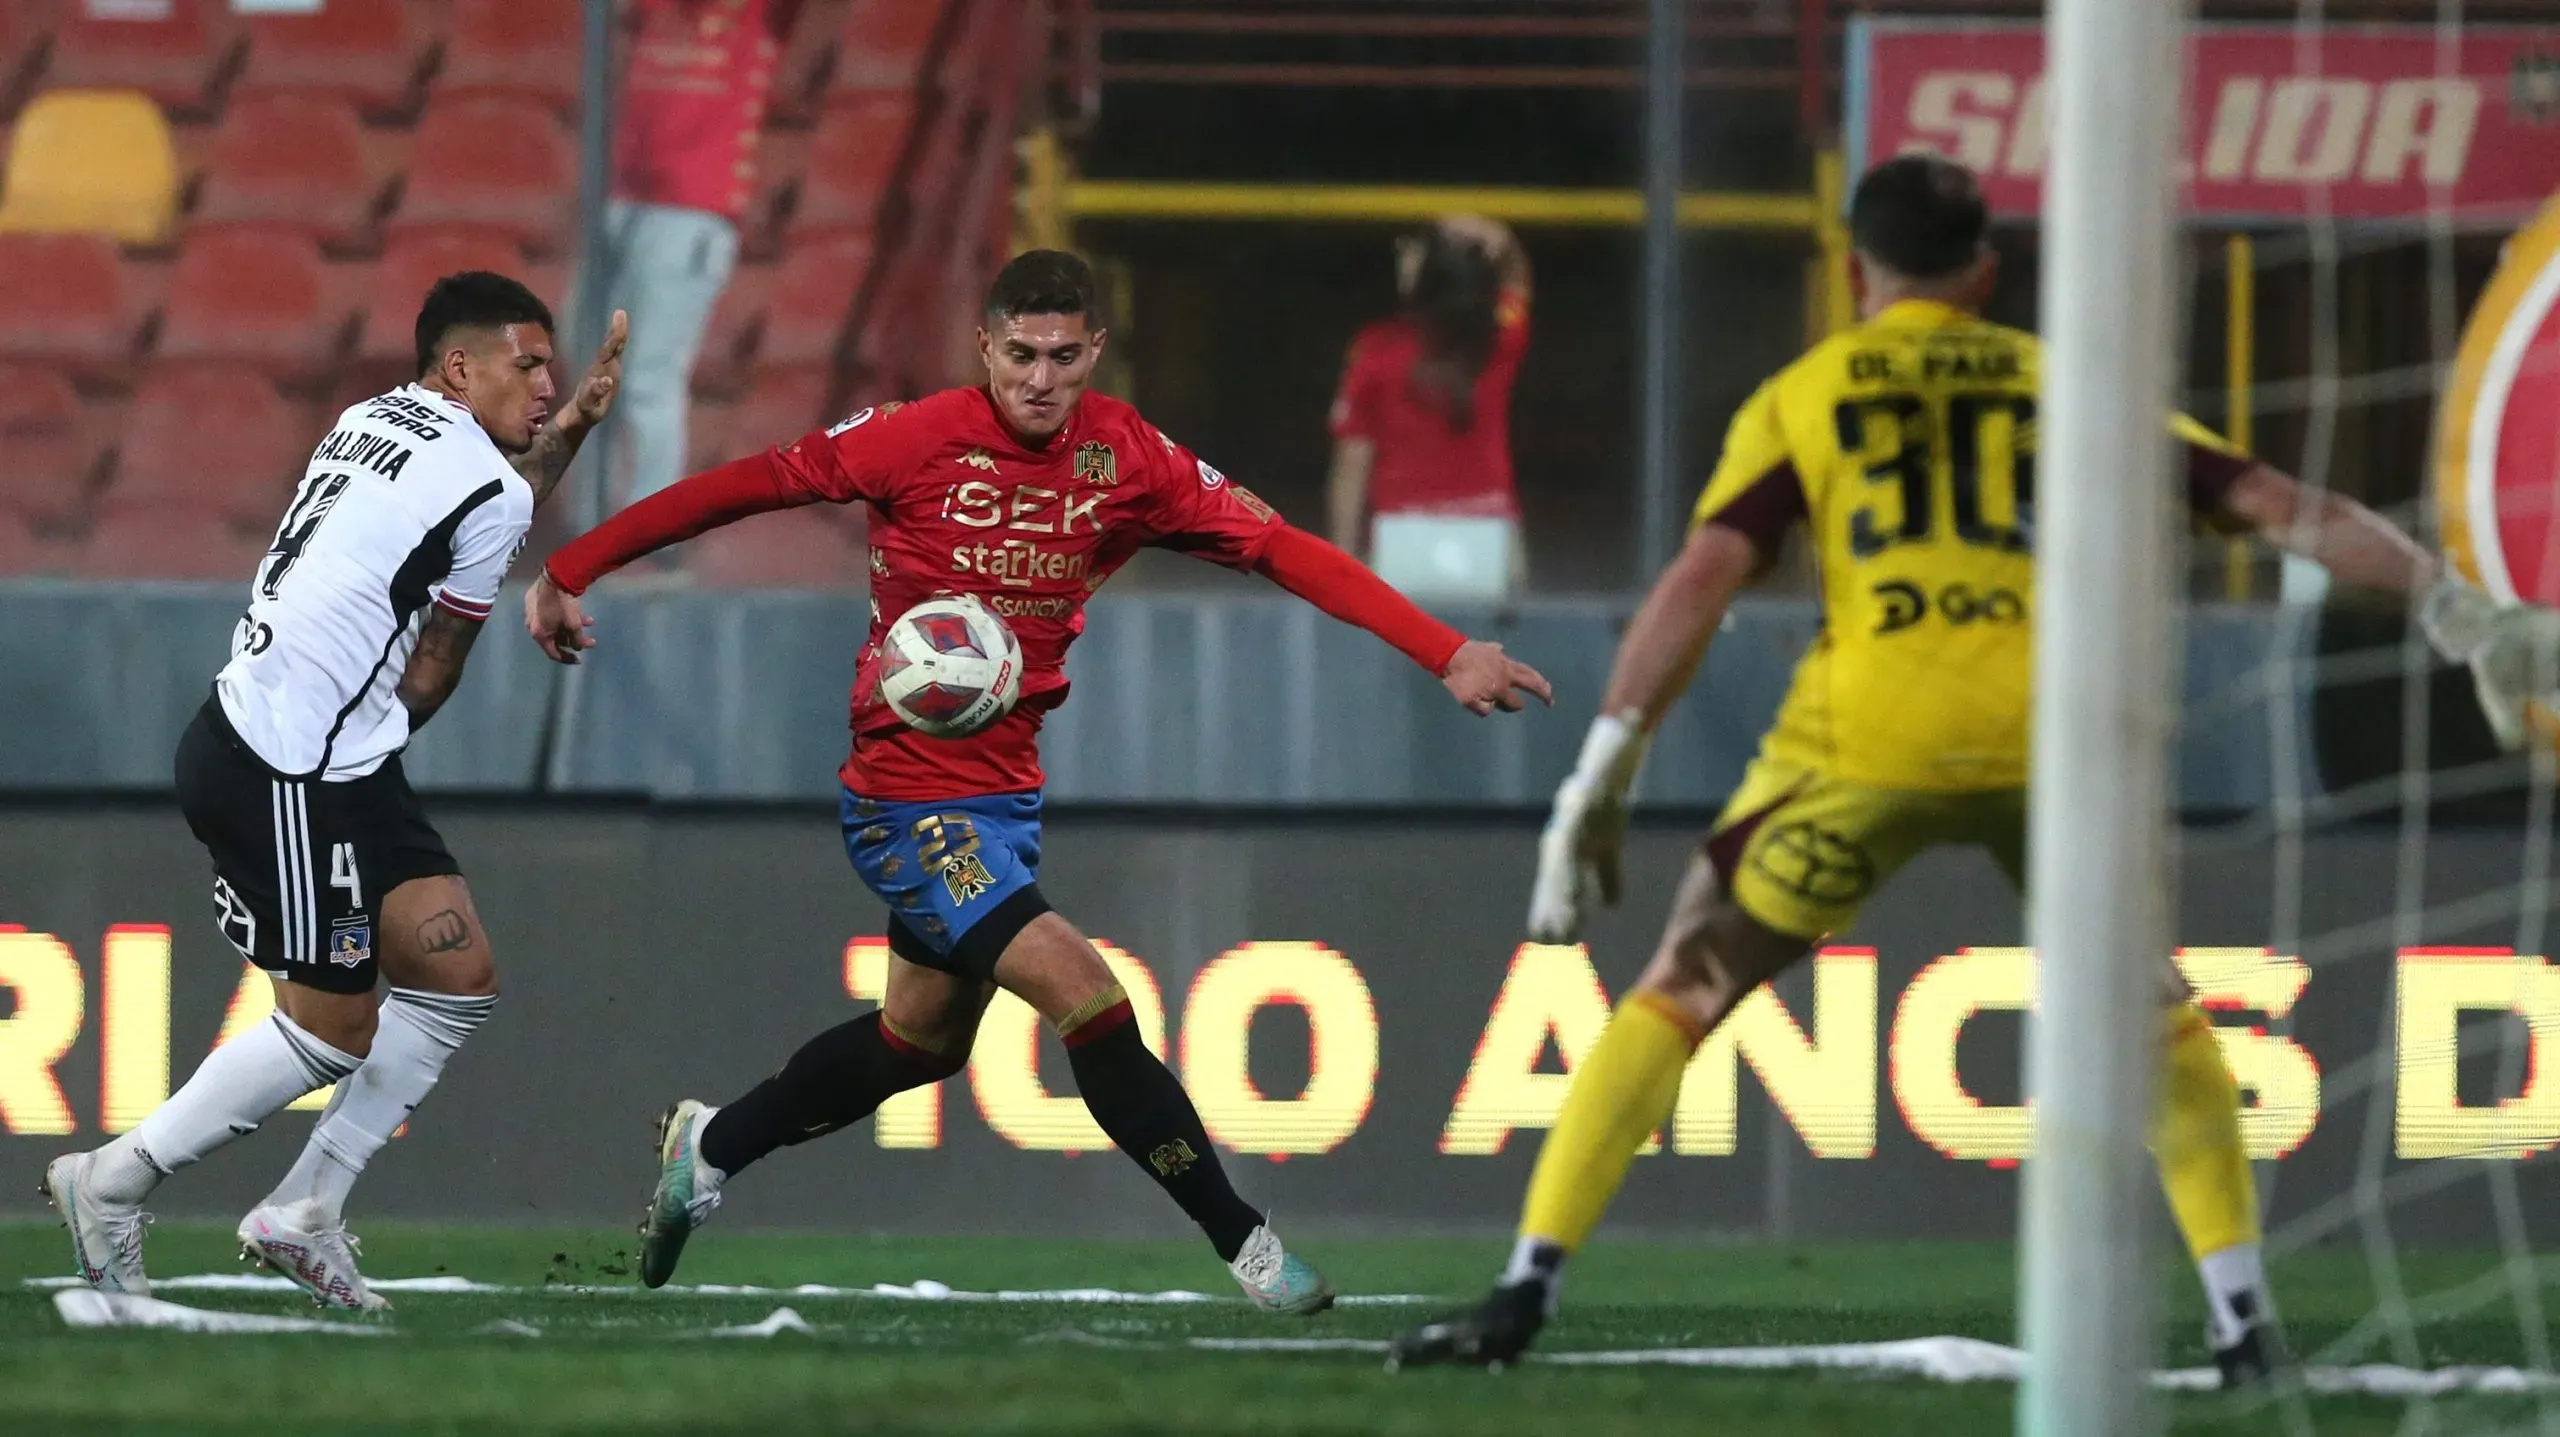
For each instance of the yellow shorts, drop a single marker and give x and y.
(1801, 850)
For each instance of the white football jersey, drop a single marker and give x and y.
(406, 503)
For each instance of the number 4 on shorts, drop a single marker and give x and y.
(342, 874)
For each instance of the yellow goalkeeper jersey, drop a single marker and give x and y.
(1907, 446)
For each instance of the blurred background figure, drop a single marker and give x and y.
(694, 92)
(1421, 482)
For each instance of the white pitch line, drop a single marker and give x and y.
(922, 1290)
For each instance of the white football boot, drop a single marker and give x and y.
(320, 1258)
(1278, 1280)
(687, 1191)
(106, 1237)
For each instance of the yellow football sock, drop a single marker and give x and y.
(2195, 1137)
(1624, 1090)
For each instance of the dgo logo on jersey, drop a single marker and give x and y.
(2497, 470)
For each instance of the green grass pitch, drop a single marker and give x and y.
(619, 1360)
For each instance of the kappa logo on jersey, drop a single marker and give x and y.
(351, 942)
(980, 459)
(1095, 464)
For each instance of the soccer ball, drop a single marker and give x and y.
(949, 667)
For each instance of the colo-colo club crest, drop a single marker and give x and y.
(2497, 462)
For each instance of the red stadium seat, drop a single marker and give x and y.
(64, 301)
(495, 167)
(524, 49)
(812, 299)
(885, 44)
(23, 28)
(852, 158)
(357, 52)
(167, 544)
(290, 159)
(780, 406)
(808, 57)
(211, 442)
(729, 340)
(795, 549)
(175, 60)
(45, 450)
(253, 296)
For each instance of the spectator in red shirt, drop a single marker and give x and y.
(1421, 481)
(694, 89)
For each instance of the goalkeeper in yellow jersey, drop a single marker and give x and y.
(1906, 448)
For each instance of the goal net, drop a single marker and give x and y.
(2371, 221)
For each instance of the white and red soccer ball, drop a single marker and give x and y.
(950, 667)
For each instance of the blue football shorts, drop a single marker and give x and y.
(960, 875)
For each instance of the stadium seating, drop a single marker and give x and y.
(885, 43)
(290, 159)
(813, 293)
(167, 544)
(45, 453)
(211, 442)
(519, 49)
(253, 296)
(808, 58)
(780, 406)
(851, 160)
(798, 548)
(25, 28)
(177, 61)
(63, 301)
(360, 52)
(97, 161)
(492, 167)
(737, 324)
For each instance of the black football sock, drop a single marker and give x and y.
(837, 1077)
(1146, 1112)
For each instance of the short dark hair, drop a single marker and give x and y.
(1043, 281)
(1921, 216)
(475, 299)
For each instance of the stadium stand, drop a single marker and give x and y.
(96, 161)
(731, 339)
(778, 407)
(166, 544)
(253, 296)
(25, 30)
(179, 61)
(852, 159)
(797, 548)
(295, 160)
(46, 455)
(365, 53)
(490, 166)
(886, 43)
(385, 348)
(813, 291)
(64, 302)
(211, 443)
(515, 49)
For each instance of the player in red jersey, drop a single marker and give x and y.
(1028, 492)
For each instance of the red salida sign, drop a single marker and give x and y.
(2349, 122)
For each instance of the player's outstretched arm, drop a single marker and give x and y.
(2513, 650)
(733, 491)
(556, 447)
(1476, 673)
(1664, 644)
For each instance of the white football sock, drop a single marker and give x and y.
(2235, 1271)
(1537, 1260)
(418, 1032)
(245, 1082)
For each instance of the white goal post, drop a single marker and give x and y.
(2105, 707)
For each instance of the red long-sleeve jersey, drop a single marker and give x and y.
(959, 505)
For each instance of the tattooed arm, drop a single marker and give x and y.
(435, 667)
(556, 446)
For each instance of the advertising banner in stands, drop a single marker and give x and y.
(2347, 122)
(1348, 1000)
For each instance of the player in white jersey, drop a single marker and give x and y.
(326, 872)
